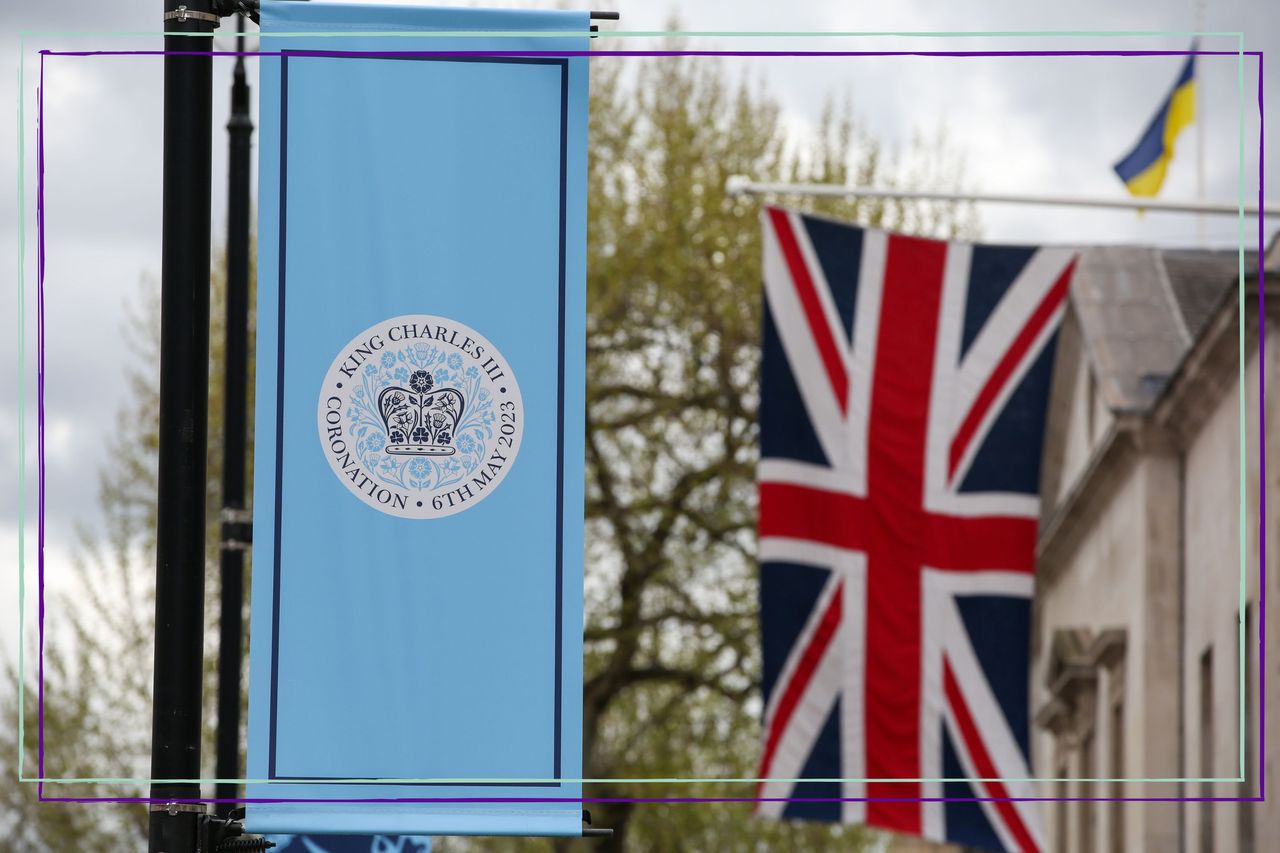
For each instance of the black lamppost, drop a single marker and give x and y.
(235, 518)
(184, 392)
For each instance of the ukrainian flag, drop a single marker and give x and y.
(1143, 168)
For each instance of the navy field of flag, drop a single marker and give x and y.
(416, 654)
(904, 386)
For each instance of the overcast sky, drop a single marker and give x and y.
(1033, 125)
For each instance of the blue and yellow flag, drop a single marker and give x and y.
(1143, 168)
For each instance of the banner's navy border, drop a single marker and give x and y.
(563, 63)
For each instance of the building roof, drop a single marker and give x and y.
(1140, 309)
(1148, 322)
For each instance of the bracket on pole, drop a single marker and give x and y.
(237, 528)
(227, 8)
(602, 16)
(590, 831)
(182, 14)
(175, 808)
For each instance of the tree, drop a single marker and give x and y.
(98, 672)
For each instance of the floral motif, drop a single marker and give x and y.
(421, 381)
(455, 361)
(400, 416)
(388, 359)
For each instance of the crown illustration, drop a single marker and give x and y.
(420, 420)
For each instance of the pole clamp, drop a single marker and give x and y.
(237, 529)
(175, 808)
(183, 14)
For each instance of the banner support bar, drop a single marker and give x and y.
(250, 9)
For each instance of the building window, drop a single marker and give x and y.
(1116, 748)
(1206, 749)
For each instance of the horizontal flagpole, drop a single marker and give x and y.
(742, 185)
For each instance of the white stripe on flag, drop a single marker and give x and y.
(835, 324)
(852, 642)
(862, 369)
(773, 549)
(997, 736)
(803, 358)
(807, 474)
(942, 395)
(1006, 391)
(802, 731)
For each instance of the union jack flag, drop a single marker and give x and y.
(903, 397)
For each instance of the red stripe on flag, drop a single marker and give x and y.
(815, 515)
(1017, 351)
(982, 762)
(812, 304)
(982, 543)
(953, 542)
(799, 683)
(896, 442)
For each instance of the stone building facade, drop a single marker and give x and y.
(1137, 651)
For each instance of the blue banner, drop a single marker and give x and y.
(417, 587)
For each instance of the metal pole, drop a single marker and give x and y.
(741, 185)
(184, 392)
(235, 521)
(1201, 122)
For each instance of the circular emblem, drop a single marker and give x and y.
(420, 416)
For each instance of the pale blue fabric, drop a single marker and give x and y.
(418, 187)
